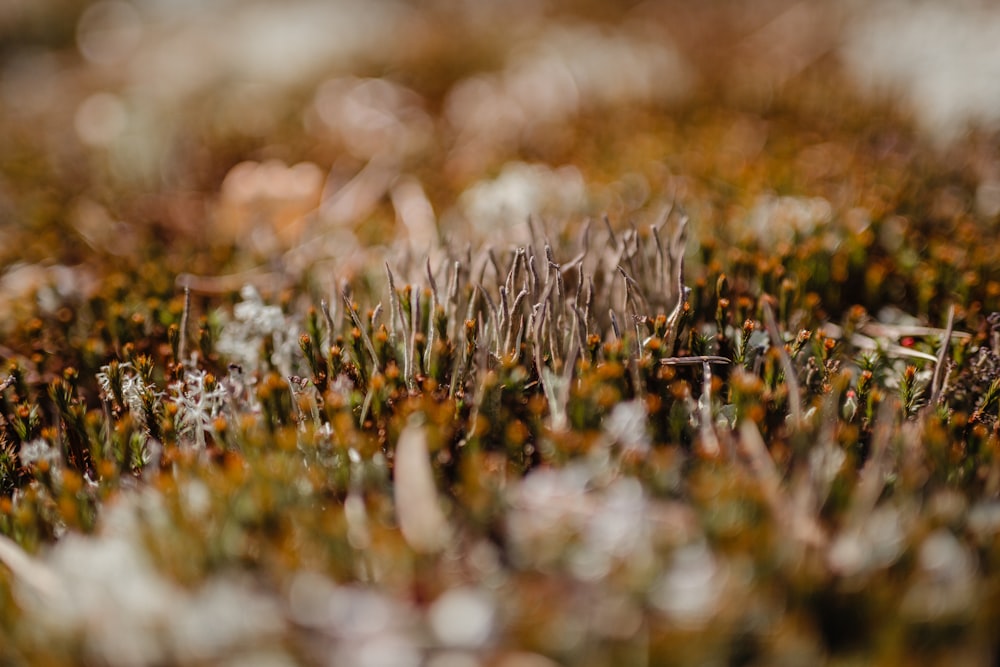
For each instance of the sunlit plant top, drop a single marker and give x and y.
(494, 356)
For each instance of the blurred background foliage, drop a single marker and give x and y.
(122, 119)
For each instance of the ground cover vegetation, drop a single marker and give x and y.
(705, 378)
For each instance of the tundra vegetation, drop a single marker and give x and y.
(616, 338)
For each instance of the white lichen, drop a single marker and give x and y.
(241, 339)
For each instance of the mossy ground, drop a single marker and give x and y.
(733, 400)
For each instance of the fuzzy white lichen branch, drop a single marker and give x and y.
(198, 405)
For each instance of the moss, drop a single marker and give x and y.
(750, 417)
